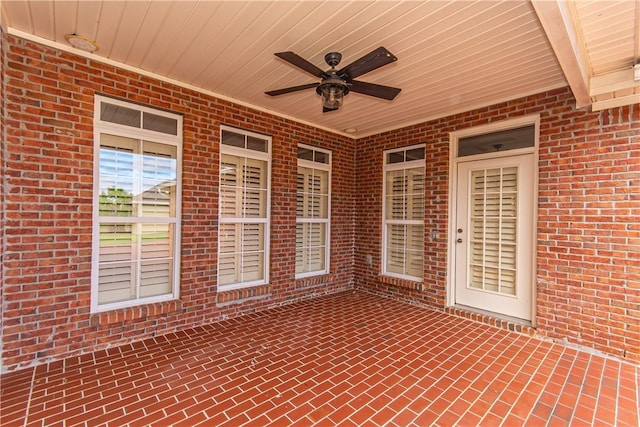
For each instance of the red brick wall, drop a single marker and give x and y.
(2, 185)
(48, 177)
(588, 231)
(588, 218)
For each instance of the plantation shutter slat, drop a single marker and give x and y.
(252, 252)
(156, 271)
(301, 194)
(493, 230)
(229, 186)
(115, 282)
(228, 261)
(415, 250)
(116, 274)
(159, 169)
(395, 248)
(116, 176)
(300, 248)
(316, 246)
(255, 194)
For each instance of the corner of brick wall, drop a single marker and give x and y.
(588, 229)
(47, 106)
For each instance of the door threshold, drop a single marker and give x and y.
(501, 321)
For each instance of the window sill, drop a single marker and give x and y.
(133, 313)
(238, 295)
(313, 281)
(401, 283)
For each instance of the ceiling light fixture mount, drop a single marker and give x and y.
(81, 42)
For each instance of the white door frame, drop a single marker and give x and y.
(533, 119)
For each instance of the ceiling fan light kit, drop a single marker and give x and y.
(335, 84)
(332, 92)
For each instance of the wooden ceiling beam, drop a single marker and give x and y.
(556, 22)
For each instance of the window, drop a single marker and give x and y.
(136, 206)
(244, 209)
(502, 140)
(312, 213)
(403, 216)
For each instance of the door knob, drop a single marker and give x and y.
(459, 240)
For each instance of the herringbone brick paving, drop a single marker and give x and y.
(345, 359)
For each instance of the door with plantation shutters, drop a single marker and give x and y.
(494, 235)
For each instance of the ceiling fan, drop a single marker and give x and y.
(335, 84)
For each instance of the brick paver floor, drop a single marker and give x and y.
(343, 359)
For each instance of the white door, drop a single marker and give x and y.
(494, 235)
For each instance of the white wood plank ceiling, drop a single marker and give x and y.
(452, 55)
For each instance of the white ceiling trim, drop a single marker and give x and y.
(611, 82)
(618, 101)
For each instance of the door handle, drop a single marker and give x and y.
(459, 240)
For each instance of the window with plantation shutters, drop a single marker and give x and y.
(403, 216)
(244, 214)
(136, 205)
(312, 211)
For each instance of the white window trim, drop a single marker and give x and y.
(325, 167)
(392, 167)
(101, 127)
(258, 155)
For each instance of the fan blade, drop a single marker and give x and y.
(302, 63)
(325, 109)
(371, 89)
(291, 89)
(369, 62)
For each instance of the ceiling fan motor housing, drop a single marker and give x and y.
(333, 59)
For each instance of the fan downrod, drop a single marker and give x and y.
(333, 59)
